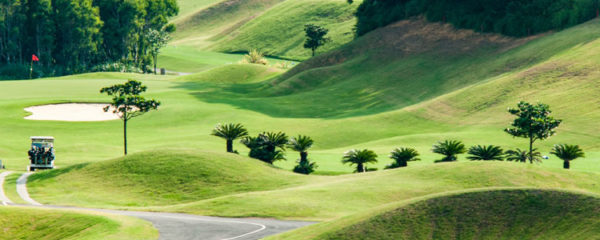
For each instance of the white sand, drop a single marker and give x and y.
(71, 112)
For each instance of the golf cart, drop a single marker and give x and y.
(41, 154)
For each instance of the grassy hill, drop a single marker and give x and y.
(22, 223)
(158, 178)
(491, 214)
(274, 26)
(334, 197)
(235, 73)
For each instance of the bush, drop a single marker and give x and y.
(116, 67)
(402, 156)
(449, 148)
(305, 167)
(486, 153)
(255, 57)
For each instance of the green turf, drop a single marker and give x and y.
(25, 223)
(235, 73)
(489, 214)
(188, 7)
(158, 178)
(10, 188)
(280, 31)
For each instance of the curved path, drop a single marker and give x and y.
(177, 226)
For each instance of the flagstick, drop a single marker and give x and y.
(31, 70)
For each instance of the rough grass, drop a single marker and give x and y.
(22, 223)
(280, 31)
(483, 214)
(158, 178)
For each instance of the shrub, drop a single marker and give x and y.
(449, 148)
(267, 146)
(255, 56)
(116, 67)
(402, 156)
(519, 155)
(486, 153)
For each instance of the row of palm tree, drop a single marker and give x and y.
(268, 146)
(452, 148)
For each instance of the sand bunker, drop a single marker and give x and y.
(71, 112)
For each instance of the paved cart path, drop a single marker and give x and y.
(177, 226)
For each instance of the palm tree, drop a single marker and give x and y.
(360, 158)
(230, 132)
(490, 152)
(519, 155)
(567, 153)
(402, 156)
(301, 144)
(268, 146)
(449, 148)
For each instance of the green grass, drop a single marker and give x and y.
(188, 7)
(280, 30)
(339, 196)
(235, 73)
(10, 188)
(158, 178)
(23, 223)
(482, 214)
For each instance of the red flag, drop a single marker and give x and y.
(34, 58)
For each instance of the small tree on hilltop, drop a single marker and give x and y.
(567, 153)
(157, 40)
(315, 37)
(359, 158)
(301, 144)
(230, 132)
(533, 122)
(449, 149)
(128, 103)
(402, 156)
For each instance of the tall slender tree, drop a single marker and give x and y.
(315, 37)
(128, 103)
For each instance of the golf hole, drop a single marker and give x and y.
(71, 112)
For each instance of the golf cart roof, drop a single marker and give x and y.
(42, 138)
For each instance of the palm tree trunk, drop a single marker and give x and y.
(360, 168)
(230, 146)
(303, 157)
(403, 163)
(567, 164)
(531, 150)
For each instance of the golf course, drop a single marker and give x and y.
(419, 82)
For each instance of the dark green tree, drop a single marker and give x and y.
(267, 146)
(128, 103)
(519, 155)
(230, 132)
(402, 156)
(533, 122)
(567, 153)
(449, 148)
(315, 37)
(359, 158)
(301, 144)
(156, 41)
(486, 153)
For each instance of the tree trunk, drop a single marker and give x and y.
(155, 59)
(303, 157)
(360, 168)
(230, 146)
(531, 150)
(403, 163)
(313, 51)
(567, 165)
(125, 133)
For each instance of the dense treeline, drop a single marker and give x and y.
(510, 17)
(71, 36)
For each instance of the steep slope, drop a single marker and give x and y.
(280, 30)
(401, 65)
(234, 73)
(158, 178)
(491, 214)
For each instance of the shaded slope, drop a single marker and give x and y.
(350, 194)
(492, 214)
(280, 30)
(403, 64)
(157, 178)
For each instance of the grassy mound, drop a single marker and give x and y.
(280, 30)
(339, 196)
(234, 73)
(503, 214)
(21, 223)
(157, 178)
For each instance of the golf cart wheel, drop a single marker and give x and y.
(31, 169)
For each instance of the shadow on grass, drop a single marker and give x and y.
(50, 174)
